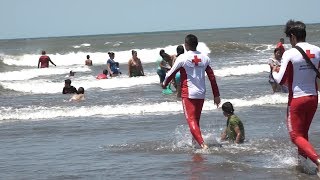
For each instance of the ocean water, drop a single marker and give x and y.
(126, 128)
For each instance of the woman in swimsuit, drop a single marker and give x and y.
(135, 66)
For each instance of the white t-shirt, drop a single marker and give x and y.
(192, 66)
(300, 76)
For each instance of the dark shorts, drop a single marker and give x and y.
(162, 75)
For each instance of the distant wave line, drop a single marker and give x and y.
(9, 79)
(41, 112)
(146, 55)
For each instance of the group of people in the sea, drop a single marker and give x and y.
(296, 68)
(112, 69)
(189, 93)
(186, 71)
(164, 64)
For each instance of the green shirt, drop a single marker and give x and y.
(232, 122)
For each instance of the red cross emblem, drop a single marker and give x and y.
(196, 60)
(309, 54)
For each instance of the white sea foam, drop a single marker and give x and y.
(81, 45)
(269, 47)
(242, 70)
(263, 100)
(26, 74)
(40, 112)
(146, 56)
(90, 81)
(49, 87)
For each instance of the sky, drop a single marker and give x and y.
(52, 18)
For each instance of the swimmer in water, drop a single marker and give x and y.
(79, 96)
(68, 89)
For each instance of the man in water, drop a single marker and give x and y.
(192, 66)
(68, 89)
(303, 94)
(71, 73)
(44, 60)
(88, 62)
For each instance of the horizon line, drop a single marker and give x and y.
(147, 32)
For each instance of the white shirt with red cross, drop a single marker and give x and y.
(192, 66)
(297, 73)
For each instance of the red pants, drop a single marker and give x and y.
(192, 111)
(300, 114)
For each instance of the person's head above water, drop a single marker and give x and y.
(277, 53)
(71, 73)
(80, 90)
(43, 52)
(88, 56)
(180, 50)
(282, 40)
(134, 54)
(191, 42)
(111, 55)
(67, 82)
(227, 108)
(164, 55)
(161, 52)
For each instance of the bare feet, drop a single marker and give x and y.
(204, 146)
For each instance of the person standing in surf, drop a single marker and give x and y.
(275, 61)
(303, 94)
(134, 65)
(163, 65)
(112, 66)
(192, 66)
(88, 61)
(44, 60)
(280, 46)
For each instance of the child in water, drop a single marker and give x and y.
(79, 96)
(234, 132)
(103, 75)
